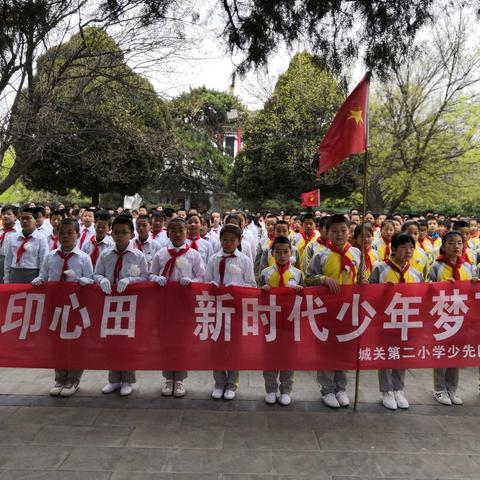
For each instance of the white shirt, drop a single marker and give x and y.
(3, 247)
(161, 238)
(80, 263)
(214, 241)
(90, 231)
(36, 249)
(189, 265)
(149, 248)
(134, 265)
(88, 246)
(238, 270)
(204, 248)
(45, 229)
(247, 249)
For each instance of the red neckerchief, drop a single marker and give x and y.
(386, 256)
(118, 265)
(4, 234)
(21, 248)
(346, 261)
(194, 243)
(139, 244)
(321, 241)
(83, 237)
(305, 238)
(222, 265)
(170, 265)
(281, 270)
(402, 271)
(54, 238)
(96, 250)
(454, 266)
(66, 257)
(156, 234)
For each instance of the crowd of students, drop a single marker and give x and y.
(115, 249)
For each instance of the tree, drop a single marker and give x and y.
(107, 136)
(279, 159)
(338, 31)
(424, 124)
(194, 161)
(147, 32)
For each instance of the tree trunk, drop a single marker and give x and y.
(374, 196)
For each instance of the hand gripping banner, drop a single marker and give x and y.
(203, 327)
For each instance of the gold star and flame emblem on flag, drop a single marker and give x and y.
(356, 113)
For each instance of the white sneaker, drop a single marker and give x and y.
(285, 399)
(456, 400)
(167, 389)
(217, 393)
(401, 399)
(271, 398)
(126, 389)
(342, 398)
(111, 387)
(229, 395)
(388, 400)
(55, 391)
(443, 398)
(69, 389)
(179, 390)
(330, 400)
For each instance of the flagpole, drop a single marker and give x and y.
(362, 258)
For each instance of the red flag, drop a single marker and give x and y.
(311, 199)
(347, 134)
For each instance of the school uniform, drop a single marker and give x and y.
(474, 243)
(160, 237)
(447, 379)
(24, 256)
(274, 278)
(85, 234)
(53, 241)
(214, 241)
(93, 248)
(310, 251)
(202, 246)
(148, 247)
(114, 266)
(45, 229)
(343, 268)
(383, 248)
(53, 269)
(229, 269)
(393, 379)
(427, 247)
(301, 242)
(372, 259)
(420, 261)
(267, 259)
(175, 263)
(435, 242)
(5, 234)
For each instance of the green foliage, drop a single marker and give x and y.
(279, 159)
(107, 129)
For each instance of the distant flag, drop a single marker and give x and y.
(311, 199)
(348, 132)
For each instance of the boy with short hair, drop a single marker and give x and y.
(307, 235)
(41, 225)
(87, 228)
(280, 274)
(25, 251)
(9, 218)
(55, 218)
(158, 229)
(433, 237)
(315, 247)
(337, 264)
(468, 254)
(121, 265)
(67, 263)
(177, 262)
(99, 242)
(143, 240)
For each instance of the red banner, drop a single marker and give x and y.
(202, 327)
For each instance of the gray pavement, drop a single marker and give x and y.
(144, 436)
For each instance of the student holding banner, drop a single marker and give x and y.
(396, 269)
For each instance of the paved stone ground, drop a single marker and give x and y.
(91, 436)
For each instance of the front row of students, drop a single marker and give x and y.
(335, 263)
